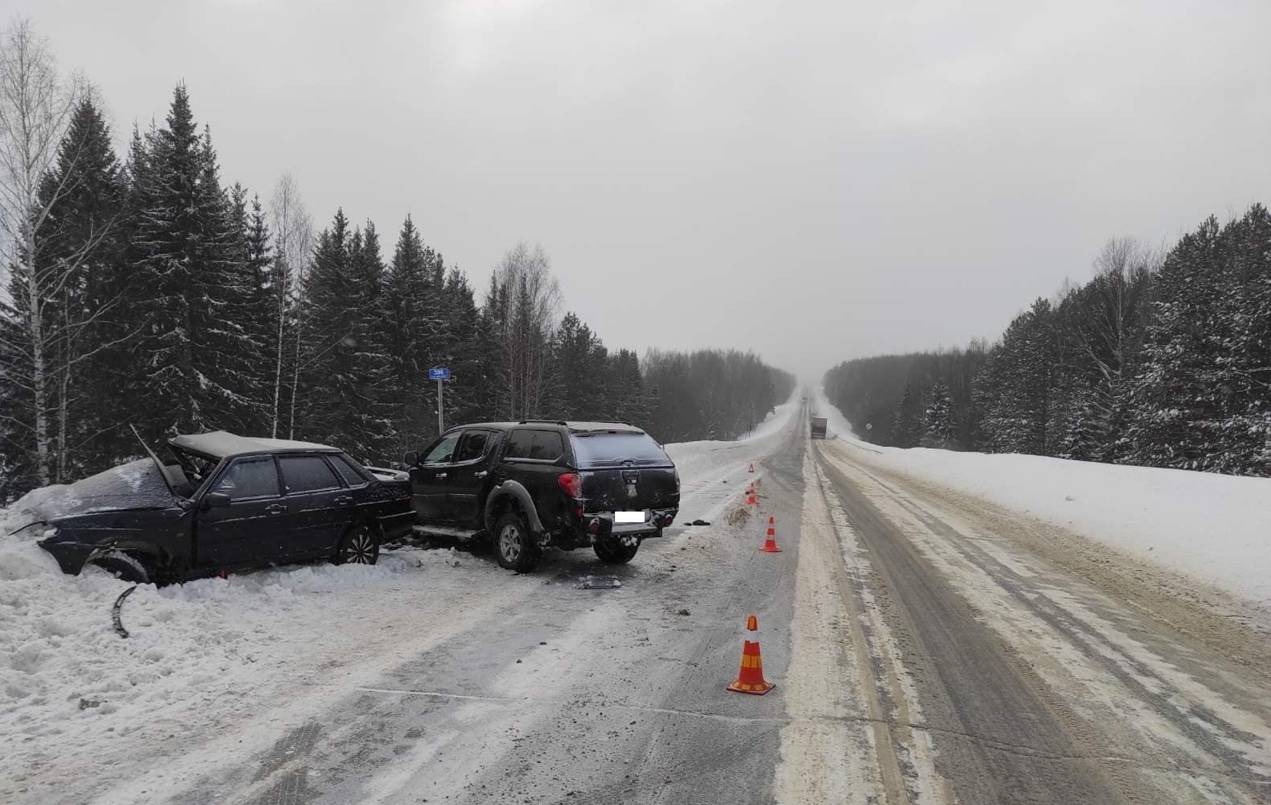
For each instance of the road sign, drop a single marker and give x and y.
(439, 373)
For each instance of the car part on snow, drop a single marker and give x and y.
(750, 676)
(600, 583)
(115, 611)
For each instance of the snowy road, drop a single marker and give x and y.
(926, 647)
(990, 668)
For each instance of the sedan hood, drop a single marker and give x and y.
(135, 485)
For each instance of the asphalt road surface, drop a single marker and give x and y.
(926, 647)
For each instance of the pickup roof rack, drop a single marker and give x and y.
(542, 422)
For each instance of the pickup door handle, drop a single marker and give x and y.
(344, 500)
(275, 508)
(441, 476)
(480, 474)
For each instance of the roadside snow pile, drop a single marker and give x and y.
(1216, 528)
(63, 669)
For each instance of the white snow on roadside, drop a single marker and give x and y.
(1215, 528)
(206, 656)
(713, 472)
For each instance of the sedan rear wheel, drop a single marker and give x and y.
(514, 546)
(359, 546)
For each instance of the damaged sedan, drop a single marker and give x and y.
(223, 503)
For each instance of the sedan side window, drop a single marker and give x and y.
(249, 478)
(348, 470)
(307, 474)
(443, 451)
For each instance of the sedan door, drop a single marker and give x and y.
(250, 529)
(319, 508)
(430, 480)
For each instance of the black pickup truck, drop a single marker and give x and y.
(530, 485)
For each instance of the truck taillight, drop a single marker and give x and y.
(571, 483)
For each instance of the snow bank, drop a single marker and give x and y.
(1215, 528)
(65, 672)
(214, 647)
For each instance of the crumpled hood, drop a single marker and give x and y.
(135, 485)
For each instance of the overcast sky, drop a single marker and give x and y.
(815, 181)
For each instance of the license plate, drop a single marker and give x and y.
(628, 517)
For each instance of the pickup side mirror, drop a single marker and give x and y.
(411, 458)
(215, 500)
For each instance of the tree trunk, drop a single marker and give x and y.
(39, 371)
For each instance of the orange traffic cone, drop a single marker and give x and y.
(750, 677)
(770, 544)
(752, 467)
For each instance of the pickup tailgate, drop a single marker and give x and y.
(625, 471)
(630, 488)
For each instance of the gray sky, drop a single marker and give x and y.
(815, 181)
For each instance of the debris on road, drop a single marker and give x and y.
(600, 583)
(115, 611)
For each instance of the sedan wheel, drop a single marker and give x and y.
(514, 547)
(359, 547)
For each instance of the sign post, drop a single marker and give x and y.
(440, 374)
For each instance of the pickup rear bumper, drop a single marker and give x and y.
(600, 525)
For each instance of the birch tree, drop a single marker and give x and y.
(293, 245)
(529, 300)
(36, 105)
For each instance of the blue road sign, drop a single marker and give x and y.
(439, 373)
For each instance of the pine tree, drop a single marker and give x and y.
(579, 376)
(195, 347)
(628, 400)
(907, 424)
(937, 419)
(1248, 362)
(1182, 395)
(462, 337)
(344, 396)
(414, 337)
(1016, 392)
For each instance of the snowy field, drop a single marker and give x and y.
(1215, 528)
(206, 657)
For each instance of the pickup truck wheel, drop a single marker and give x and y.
(360, 545)
(514, 546)
(615, 552)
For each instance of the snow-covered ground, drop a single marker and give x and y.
(205, 657)
(1215, 528)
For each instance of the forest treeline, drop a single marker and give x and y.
(146, 292)
(1156, 361)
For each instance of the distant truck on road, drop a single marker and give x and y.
(818, 427)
